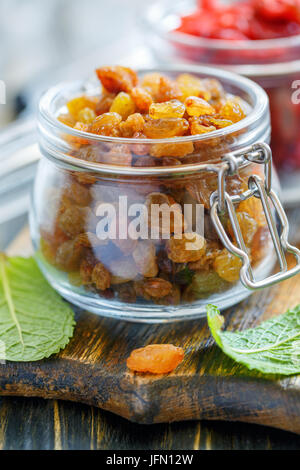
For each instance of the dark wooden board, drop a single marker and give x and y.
(207, 385)
(37, 424)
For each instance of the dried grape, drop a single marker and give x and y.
(101, 277)
(168, 127)
(168, 109)
(191, 247)
(198, 106)
(155, 359)
(123, 105)
(117, 78)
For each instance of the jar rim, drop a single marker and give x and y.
(257, 94)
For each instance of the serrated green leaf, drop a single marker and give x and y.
(273, 347)
(34, 321)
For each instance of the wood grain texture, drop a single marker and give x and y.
(30, 424)
(207, 385)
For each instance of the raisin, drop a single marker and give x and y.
(101, 277)
(67, 119)
(86, 115)
(73, 220)
(162, 128)
(178, 149)
(219, 123)
(198, 106)
(106, 124)
(192, 86)
(206, 261)
(68, 256)
(142, 99)
(77, 193)
(157, 287)
(232, 111)
(228, 266)
(214, 87)
(168, 109)
(173, 298)
(118, 155)
(86, 270)
(164, 263)
(165, 219)
(117, 78)
(253, 207)
(139, 149)
(196, 128)
(104, 104)
(123, 104)
(77, 104)
(247, 225)
(89, 240)
(145, 259)
(79, 126)
(191, 247)
(133, 125)
(126, 293)
(155, 359)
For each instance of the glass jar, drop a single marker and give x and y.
(273, 64)
(99, 203)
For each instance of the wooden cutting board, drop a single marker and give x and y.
(207, 385)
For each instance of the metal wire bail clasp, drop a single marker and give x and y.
(261, 188)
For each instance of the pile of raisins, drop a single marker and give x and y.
(162, 271)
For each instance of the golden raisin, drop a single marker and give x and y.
(168, 109)
(253, 207)
(219, 123)
(198, 107)
(123, 104)
(118, 155)
(214, 87)
(86, 115)
(145, 259)
(68, 256)
(106, 124)
(155, 359)
(133, 124)
(196, 128)
(232, 111)
(73, 220)
(191, 247)
(157, 287)
(142, 99)
(67, 119)
(117, 78)
(228, 266)
(247, 225)
(77, 193)
(104, 104)
(161, 128)
(101, 277)
(77, 104)
(192, 86)
(178, 149)
(86, 270)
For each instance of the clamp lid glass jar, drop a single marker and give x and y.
(98, 219)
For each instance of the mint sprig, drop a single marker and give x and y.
(34, 321)
(273, 347)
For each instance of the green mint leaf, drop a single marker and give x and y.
(34, 321)
(272, 347)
